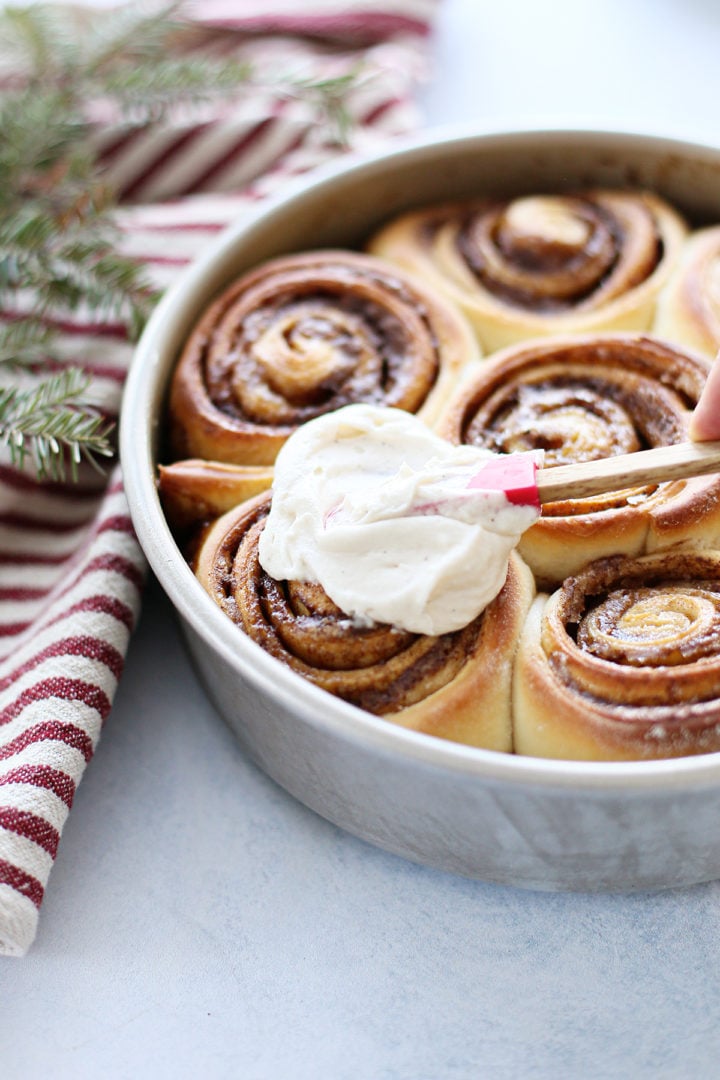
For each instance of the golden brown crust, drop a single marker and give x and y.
(582, 398)
(623, 662)
(545, 264)
(303, 335)
(455, 686)
(688, 309)
(194, 491)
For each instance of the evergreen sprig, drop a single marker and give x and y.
(52, 424)
(58, 242)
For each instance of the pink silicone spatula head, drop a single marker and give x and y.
(513, 474)
(524, 483)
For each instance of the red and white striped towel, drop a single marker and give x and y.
(70, 567)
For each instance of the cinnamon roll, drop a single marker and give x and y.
(688, 309)
(193, 491)
(303, 335)
(455, 686)
(584, 398)
(542, 264)
(623, 661)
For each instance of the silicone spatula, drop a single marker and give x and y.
(524, 483)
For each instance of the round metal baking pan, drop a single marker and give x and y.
(516, 820)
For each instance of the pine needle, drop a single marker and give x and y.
(24, 344)
(51, 424)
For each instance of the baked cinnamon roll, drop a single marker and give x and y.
(542, 264)
(193, 491)
(581, 399)
(303, 335)
(455, 686)
(623, 662)
(688, 309)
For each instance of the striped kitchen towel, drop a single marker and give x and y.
(71, 570)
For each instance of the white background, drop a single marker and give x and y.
(198, 921)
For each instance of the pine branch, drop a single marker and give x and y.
(58, 242)
(142, 65)
(51, 424)
(146, 95)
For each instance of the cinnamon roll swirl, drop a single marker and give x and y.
(688, 309)
(623, 661)
(455, 686)
(542, 264)
(581, 399)
(303, 335)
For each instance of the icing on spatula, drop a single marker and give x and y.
(400, 526)
(523, 483)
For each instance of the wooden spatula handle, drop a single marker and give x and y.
(663, 463)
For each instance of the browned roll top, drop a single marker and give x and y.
(550, 253)
(568, 415)
(300, 336)
(542, 263)
(380, 668)
(585, 398)
(658, 613)
(626, 661)
(580, 399)
(291, 344)
(455, 686)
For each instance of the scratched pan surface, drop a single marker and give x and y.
(519, 821)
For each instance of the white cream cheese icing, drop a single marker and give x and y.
(376, 508)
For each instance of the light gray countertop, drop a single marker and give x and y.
(198, 920)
